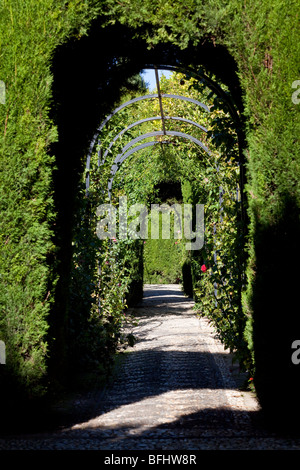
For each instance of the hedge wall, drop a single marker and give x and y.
(29, 33)
(267, 50)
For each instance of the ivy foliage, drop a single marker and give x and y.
(211, 178)
(181, 23)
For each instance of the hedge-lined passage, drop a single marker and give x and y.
(49, 115)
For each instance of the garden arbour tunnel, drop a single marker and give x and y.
(130, 148)
(88, 79)
(85, 90)
(126, 151)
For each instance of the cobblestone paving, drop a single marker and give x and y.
(174, 391)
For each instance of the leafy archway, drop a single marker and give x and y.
(85, 99)
(210, 177)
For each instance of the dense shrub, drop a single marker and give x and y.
(29, 33)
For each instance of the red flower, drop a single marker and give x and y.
(203, 268)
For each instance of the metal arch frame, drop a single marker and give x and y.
(130, 152)
(200, 76)
(154, 118)
(145, 97)
(127, 103)
(186, 70)
(125, 154)
(231, 106)
(159, 133)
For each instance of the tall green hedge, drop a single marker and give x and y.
(29, 33)
(267, 50)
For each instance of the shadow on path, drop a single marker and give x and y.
(169, 386)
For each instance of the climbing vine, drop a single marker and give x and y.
(210, 179)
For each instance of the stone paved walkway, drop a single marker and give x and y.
(175, 391)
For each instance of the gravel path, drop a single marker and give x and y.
(176, 390)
